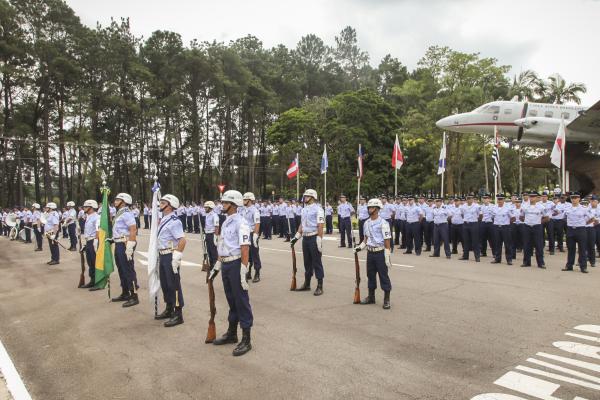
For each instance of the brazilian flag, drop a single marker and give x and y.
(104, 256)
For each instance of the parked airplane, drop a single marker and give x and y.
(529, 123)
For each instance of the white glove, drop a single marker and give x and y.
(320, 244)
(129, 249)
(360, 247)
(176, 261)
(215, 239)
(255, 240)
(388, 258)
(215, 271)
(95, 244)
(243, 272)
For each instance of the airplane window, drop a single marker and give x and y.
(508, 111)
(566, 115)
(480, 109)
(549, 114)
(492, 110)
(533, 113)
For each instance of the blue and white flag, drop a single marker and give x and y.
(442, 160)
(324, 161)
(153, 274)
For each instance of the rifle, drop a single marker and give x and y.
(357, 269)
(294, 269)
(82, 259)
(211, 333)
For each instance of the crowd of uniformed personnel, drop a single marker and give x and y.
(234, 224)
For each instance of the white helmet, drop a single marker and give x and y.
(311, 192)
(70, 204)
(91, 203)
(51, 206)
(209, 204)
(249, 196)
(172, 200)
(125, 197)
(35, 205)
(375, 203)
(233, 196)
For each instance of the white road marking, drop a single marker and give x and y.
(558, 377)
(578, 348)
(570, 361)
(586, 337)
(497, 396)
(528, 385)
(565, 370)
(589, 328)
(15, 385)
(336, 257)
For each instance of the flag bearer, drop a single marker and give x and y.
(171, 243)
(234, 254)
(378, 243)
(124, 234)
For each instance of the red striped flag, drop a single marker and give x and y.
(397, 157)
(361, 155)
(293, 169)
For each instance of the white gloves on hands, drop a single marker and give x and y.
(388, 258)
(320, 244)
(255, 240)
(129, 249)
(176, 261)
(243, 272)
(216, 239)
(360, 247)
(215, 271)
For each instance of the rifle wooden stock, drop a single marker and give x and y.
(357, 270)
(82, 259)
(294, 269)
(211, 333)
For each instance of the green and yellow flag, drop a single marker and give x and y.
(104, 256)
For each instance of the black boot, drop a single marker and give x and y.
(123, 297)
(244, 346)
(133, 301)
(176, 319)
(370, 299)
(305, 286)
(256, 276)
(386, 300)
(319, 289)
(90, 284)
(168, 313)
(229, 337)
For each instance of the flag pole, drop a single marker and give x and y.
(298, 177)
(562, 161)
(325, 190)
(395, 181)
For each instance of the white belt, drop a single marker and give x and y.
(308, 234)
(375, 249)
(165, 251)
(90, 237)
(120, 240)
(229, 259)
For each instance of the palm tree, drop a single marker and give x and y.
(558, 92)
(524, 85)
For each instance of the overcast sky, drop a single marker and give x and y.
(547, 36)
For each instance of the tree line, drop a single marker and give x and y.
(83, 104)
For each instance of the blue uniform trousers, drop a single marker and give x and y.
(559, 233)
(329, 224)
(487, 235)
(237, 298)
(471, 239)
(441, 234)
(456, 236)
(189, 223)
(291, 226)
(170, 282)
(254, 254)
(413, 239)
(146, 221)
(54, 253)
(27, 232)
(275, 222)
(549, 233)
(397, 231)
(591, 244)
(533, 237)
(73, 234)
(126, 268)
(39, 232)
(183, 219)
(312, 258)
(376, 266)
(404, 230)
(346, 231)
(577, 238)
(361, 229)
(428, 228)
(196, 221)
(502, 236)
(597, 229)
(390, 222)
(90, 257)
(211, 249)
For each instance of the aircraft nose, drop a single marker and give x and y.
(443, 123)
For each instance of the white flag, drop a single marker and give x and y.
(559, 143)
(442, 159)
(153, 276)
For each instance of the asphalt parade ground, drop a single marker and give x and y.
(456, 330)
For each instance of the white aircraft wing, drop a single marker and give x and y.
(588, 121)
